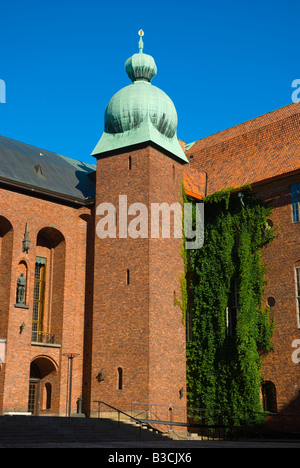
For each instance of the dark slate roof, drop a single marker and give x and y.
(45, 172)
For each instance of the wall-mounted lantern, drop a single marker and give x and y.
(100, 376)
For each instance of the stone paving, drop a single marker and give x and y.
(161, 445)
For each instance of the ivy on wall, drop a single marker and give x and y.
(223, 285)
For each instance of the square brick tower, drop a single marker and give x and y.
(138, 345)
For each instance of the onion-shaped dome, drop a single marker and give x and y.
(141, 67)
(140, 112)
(138, 103)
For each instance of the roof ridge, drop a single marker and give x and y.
(244, 124)
(76, 162)
(68, 159)
(28, 144)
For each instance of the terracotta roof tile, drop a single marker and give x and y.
(194, 182)
(259, 149)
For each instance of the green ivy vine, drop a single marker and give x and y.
(223, 367)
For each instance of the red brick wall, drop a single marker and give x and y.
(65, 317)
(280, 257)
(167, 333)
(6, 240)
(136, 326)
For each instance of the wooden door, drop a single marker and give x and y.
(34, 397)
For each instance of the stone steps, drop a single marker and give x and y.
(18, 430)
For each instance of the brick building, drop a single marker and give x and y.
(264, 152)
(96, 311)
(100, 309)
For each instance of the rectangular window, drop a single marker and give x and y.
(295, 195)
(38, 299)
(297, 278)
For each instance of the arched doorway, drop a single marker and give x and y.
(42, 385)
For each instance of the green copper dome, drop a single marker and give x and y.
(140, 104)
(140, 112)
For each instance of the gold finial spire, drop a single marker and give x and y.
(141, 44)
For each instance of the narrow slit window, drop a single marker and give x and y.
(120, 378)
(129, 163)
(127, 276)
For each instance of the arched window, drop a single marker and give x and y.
(47, 395)
(269, 397)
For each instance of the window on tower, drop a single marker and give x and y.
(120, 378)
(127, 276)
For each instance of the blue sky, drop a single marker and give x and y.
(221, 62)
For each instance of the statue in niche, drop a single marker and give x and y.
(21, 289)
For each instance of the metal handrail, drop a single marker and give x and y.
(192, 418)
(171, 410)
(42, 337)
